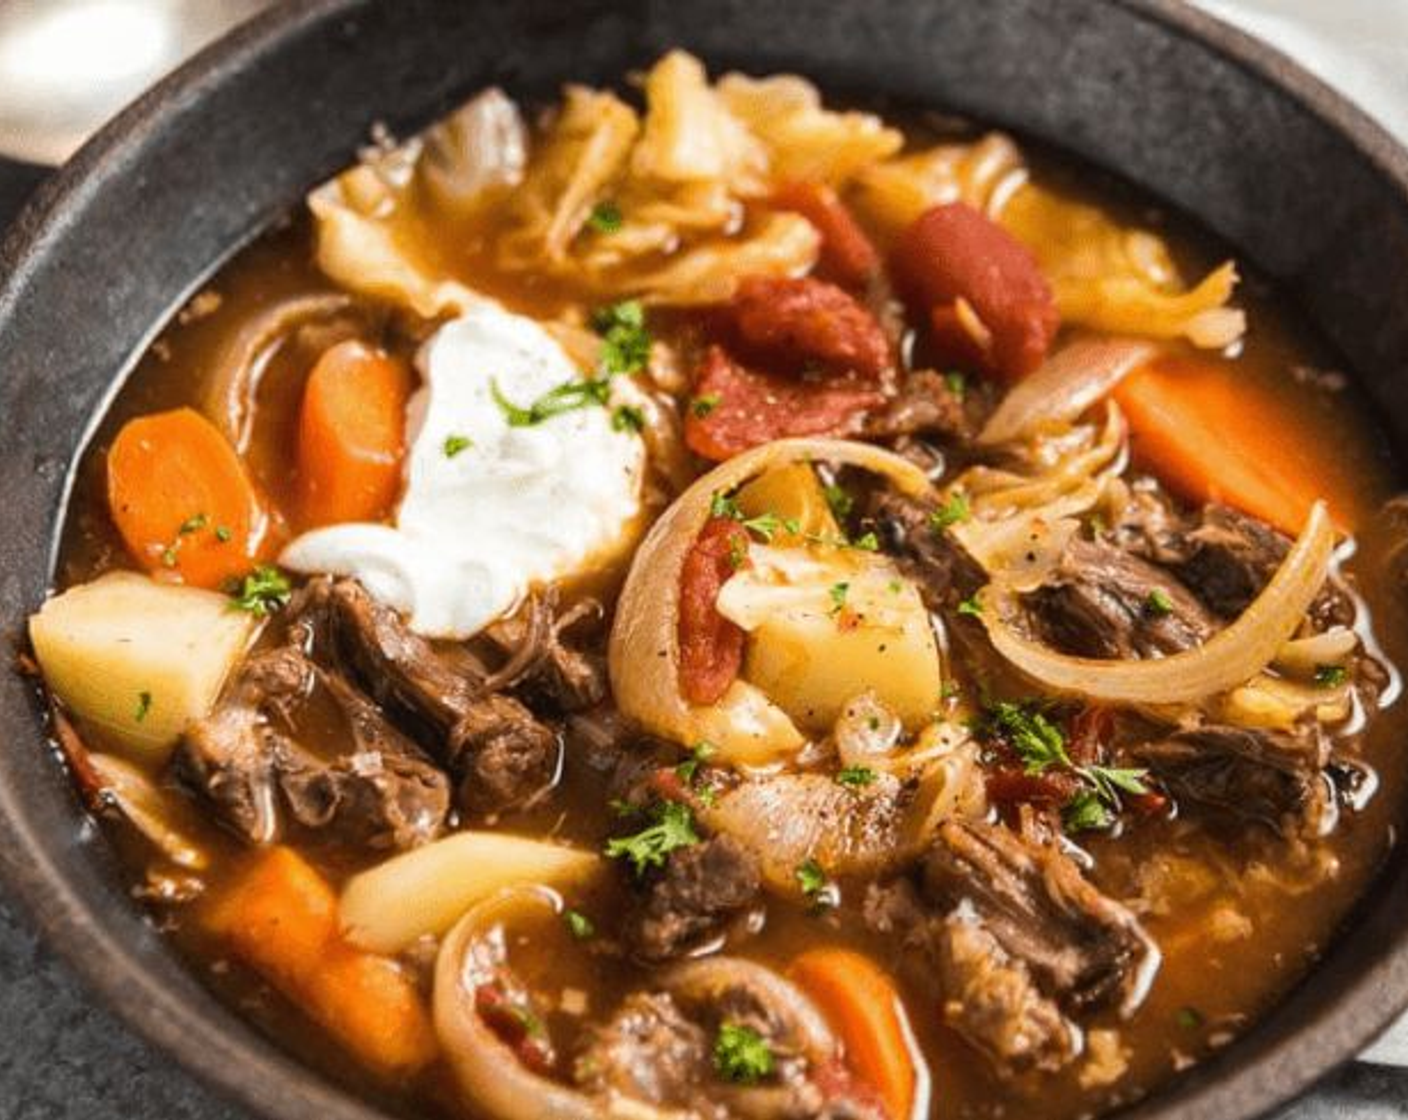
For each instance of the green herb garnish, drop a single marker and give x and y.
(579, 925)
(1330, 676)
(454, 444)
(704, 404)
(811, 878)
(971, 607)
(1190, 1018)
(956, 383)
(689, 768)
(263, 591)
(855, 777)
(837, 593)
(673, 829)
(627, 418)
(839, 501)
(222, 533)
(1158, 603)
(193, 524)
(1085, 812)
(953, 511)
(742, 1055)
(144, 705)
(625, 346)
(1024, 727)
(605, 217)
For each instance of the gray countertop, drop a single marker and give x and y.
(63, 1058)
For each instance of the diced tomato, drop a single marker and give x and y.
(809, 325)
(1011, 785)
(984, 294)
(735, 408)
(711, 647)
(1089, 734)
(513, 1020)
(847, 256)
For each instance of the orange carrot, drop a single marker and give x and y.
(181, 498)
(861, 1003)
(1210, 433)
(280, 917)
(351, 435)
(847, 256)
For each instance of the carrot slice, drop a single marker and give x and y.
(859, 1000)
(351, 435)
(1211, 434)
(181, 499)
(280, 917)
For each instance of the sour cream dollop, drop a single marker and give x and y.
(488, 509)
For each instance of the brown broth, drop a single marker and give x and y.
(1208, 989)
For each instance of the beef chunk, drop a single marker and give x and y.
(383, 794)
(500, 754)
(648, 1051)
(925, 406)
(231, 757)
(1254, 775)
(700, 889)
(1024, 941)
(1229, 558)
(1084, 949)
(991, 999)
(1103, 602)
(541, 664)
(934, 560)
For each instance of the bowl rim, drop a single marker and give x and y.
(251, 1071)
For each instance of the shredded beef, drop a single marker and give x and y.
(700, 890)
(1255, 775)
(1024, 941)
(242, 759)
(648, 1051)
(938, 565)
(925, 405)
(499, 753)
(1106, 603)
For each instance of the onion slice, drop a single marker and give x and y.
(1230, 658)
(644, 655)
(1068, 384)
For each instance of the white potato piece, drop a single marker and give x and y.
(827, 624)
(425, 891)
(138, 659)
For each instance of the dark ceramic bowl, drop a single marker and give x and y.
(1297, 181)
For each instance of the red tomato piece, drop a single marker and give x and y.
(1011, 785)
(735, 408)
(809, 324)
(711, 647)
(847, 255)
(984, 294)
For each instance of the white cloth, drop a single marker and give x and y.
(1360, 47)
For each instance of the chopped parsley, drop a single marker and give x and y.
(673, 829)
(1110, 781)
(605, 217)
(625, 346)
(1085, 812)
(764, 526)
(579, 925)
(193, 524)
(839, 501)
(855, 777)
(454, 444)
(838, 593)
(688, 770)
(948, 690)
(1330, 676)
(811, 878)
(1190, 1018)
(1158, 603)
(742, 1055)
(263, 591)
(953, 511)
(704, 404)
(144, 705)
(627, 418)
(956, 383)
(222, 533)
(971, 607)
(1024, 727)
(168, 556)
(867, 542)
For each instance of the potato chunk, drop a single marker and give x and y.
(428, 889)
(137, 659)
(827, 624)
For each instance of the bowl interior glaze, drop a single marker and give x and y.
(1295, 180)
